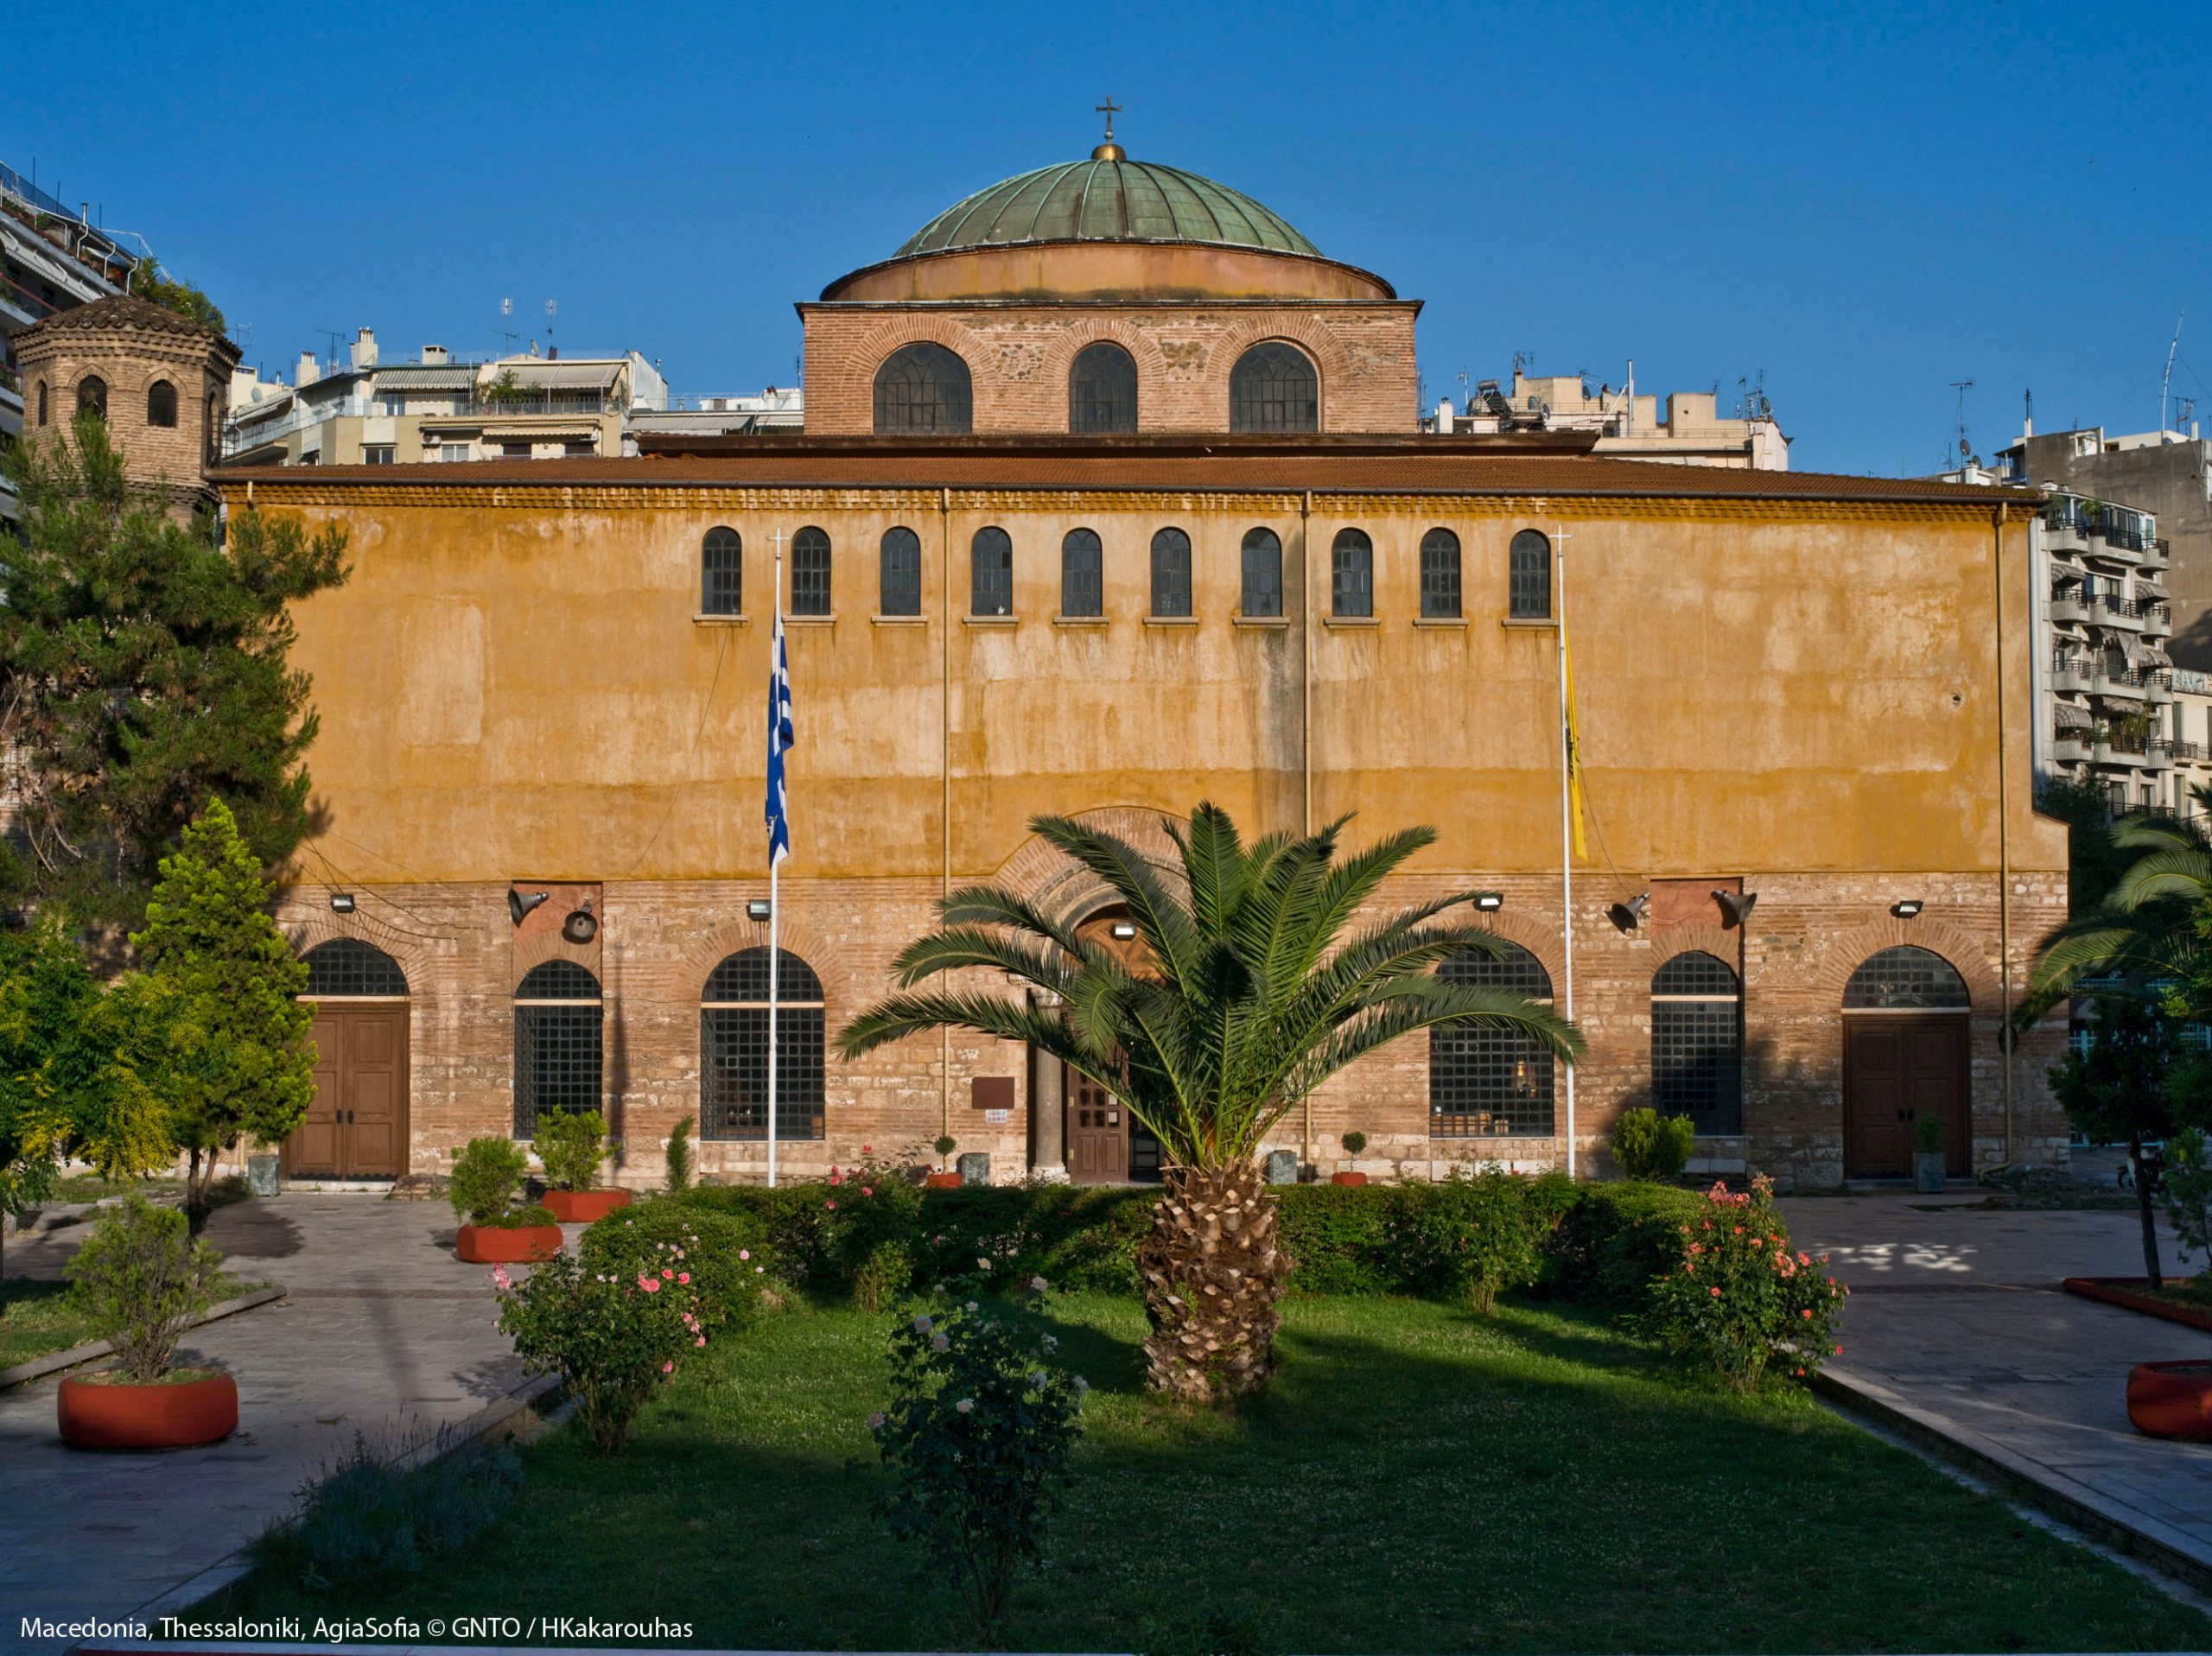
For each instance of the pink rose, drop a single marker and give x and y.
(745, 1253)
(667, 1270)
(865, 1190)
(668, 1367)
(650, 1284)
(867, 1150)
(831, 1204)
(683, 1276)
(1715, 1292)
(701, 1340)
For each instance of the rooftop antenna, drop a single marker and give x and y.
(2028, 413)
(2166, 385)
(552, 309)
(333, 334)
(1962, 386)
(508, 335)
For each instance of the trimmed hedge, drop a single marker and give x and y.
(1462, 1239)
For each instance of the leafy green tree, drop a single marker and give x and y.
(222, 1035)
(150, 282)
(142, 668)
(2094, 863)
(1255, 978)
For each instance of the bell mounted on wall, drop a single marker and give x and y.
(580, 927)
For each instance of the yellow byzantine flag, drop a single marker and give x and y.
(1574, 741)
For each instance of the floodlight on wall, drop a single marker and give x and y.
(341, 903)
(1121, 931)
(1734, 906)
(1490, 901)
(1626, 917)
(521, 903)
(580, 927)
(757, 909)
(1905, 908)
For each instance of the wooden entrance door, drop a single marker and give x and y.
(1896, 1069)
(357, 1125)
(1098, 1132)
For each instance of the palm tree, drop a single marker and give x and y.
(2145, 928)
(1251, 986)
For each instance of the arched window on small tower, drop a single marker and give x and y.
(923, 388)
(1171, 573)
(92, 397)
(1351, 574)
(1263, 572)
(810, 572)
(734, 1049)
(1274, 387)
(1082, 582)
(160, 404)
(1529, 577)
(1440, 575)
(900, 574)
(722, 572)
(1102, 389)
(43, 413)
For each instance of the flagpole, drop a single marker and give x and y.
(775, 908)
(1566, 832)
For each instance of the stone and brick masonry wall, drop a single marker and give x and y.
(658, 941)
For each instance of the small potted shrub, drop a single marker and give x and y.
(1928, 1154)
(1354, 1143)
(485, 1176)
(572, 1146)
(945, 1179)
(139, 1280)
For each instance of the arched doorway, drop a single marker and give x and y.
(1906, 1016)
(1104, 1145)
(357, 1128)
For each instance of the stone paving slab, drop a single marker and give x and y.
(383, 1333)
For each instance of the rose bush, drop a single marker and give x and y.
(1738, 1297)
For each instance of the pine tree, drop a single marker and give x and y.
(221, 1033)
(143, 669)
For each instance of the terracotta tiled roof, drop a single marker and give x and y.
(126, 310)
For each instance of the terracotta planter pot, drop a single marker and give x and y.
(507, 1244)
(121, 1416)
(2172, 1400)
(1351, 1180)
(941, 1181)
(581, 1207)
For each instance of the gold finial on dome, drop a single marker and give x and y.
(1109, 150)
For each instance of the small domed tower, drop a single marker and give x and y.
(159, 380)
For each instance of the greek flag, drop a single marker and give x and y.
(779, 740)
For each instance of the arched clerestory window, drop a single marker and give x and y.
(734, 1049)
(1262, 573)
(558, 1061)
(810, 572)
(1486, 1083)
(1171, 573)
(900, 573)
(1351, 574)
(160, 404)
(1102, 389)
(1529, 577)
(1083, 575)
(990, 573)
(347, 968)
(1440, 575)
(1697, 1042)
(722, 572)
(1274, 387)
(923, 388)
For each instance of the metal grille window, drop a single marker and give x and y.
(1439, 575)
(1274, 387)
(1906, 978)
(734, 1049)
(557, 1043)
(810, 572)
(1082, 574)
(1490, 1082)
(1697, 1043)
(1351, 574)
(160, 404)
(347, 967)
(1529, 577)
(901, 572)
(990, 573)
(722, 574)
(1262, 573)
(1102, 389)
(1171, 573)
(923, 388)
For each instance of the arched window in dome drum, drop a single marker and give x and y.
(990, 573)
(92, 397)
(1351, 574)
(923, 388)
(1485, 1081)
(1274, 387)
(810, 572)
(1102, 389)
(722, 572)
(1440, 575)
(1082, 575)
(734, 1049)
(1171, 573)
(160, 404)
(901, 572)
(557, 1043)
(1262, 574)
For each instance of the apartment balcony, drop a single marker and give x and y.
(2072, 675)
(2191, 754)
(2071, 747)
(2066, 526)
(2159, 555)
(2121, 683)
(2159, 684)
(2111, 746)
(2067, 603)
(2119, 550)
(2158, 618)
(2159, 754)
(2107, 610)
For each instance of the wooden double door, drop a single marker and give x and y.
(1104, 1146)
(357, 1126)
(1898, 1067)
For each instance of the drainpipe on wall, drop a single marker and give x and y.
(2003, 846)
(945, 775)
(1305, 729)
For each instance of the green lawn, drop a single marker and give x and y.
(1419, 1479)
(35, 1318)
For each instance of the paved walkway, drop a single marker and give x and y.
(384, 1333)
(1955, 1316)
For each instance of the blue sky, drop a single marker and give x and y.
(1866, 205)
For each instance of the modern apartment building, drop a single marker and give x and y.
(438, 407)
(1692, 431)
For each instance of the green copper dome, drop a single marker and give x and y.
(1108, 198)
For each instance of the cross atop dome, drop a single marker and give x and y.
(1109, 150)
